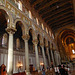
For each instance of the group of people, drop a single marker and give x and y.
(62, 70)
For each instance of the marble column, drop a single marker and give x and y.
(56, 58)
(52, 57)
(10, 51)
(35, 42)
(43, 53)
(26, 38)
(48, 55)
(14, 63)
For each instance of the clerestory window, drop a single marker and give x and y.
(4, 40)
(30, 15)
(20, 5)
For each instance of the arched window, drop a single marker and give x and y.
(42, 26)
(30, 15)
(46, 30)
(4, 40)
(20, 5)
(37, 21)
(17, 43)
(50, 33)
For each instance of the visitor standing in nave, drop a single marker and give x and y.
(62, 70)
(56, 68)
(43, 70)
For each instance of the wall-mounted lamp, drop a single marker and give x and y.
(19, 66)
(41, 64)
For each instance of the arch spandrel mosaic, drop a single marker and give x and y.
(16, 13)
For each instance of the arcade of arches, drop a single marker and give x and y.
(27, 43)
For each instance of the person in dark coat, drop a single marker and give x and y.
(63, 71)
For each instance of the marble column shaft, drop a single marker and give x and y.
(10, 55)
(27, 55)
(35, 42)
(26, 38)
(44, 58)
(48, 56)
(52, 57)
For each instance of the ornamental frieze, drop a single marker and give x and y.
(19, 14)
(2, 2)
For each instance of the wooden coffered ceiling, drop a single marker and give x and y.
(56, 13)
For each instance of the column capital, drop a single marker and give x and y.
(47, 46)
(11, 30)
(35, 41)
(41, 44)
(26, 37)
(50, 48)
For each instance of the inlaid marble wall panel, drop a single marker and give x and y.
(21, 58)
(23, 62)
(1, 59)
(5, 59)
(34, 62)
(16, 63)
(18, 58)
(30, 60)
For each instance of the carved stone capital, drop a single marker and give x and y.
(41, 44)
(35, 41)
(26, 37)
(11, 30)
(51, 49)
(47, 46)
